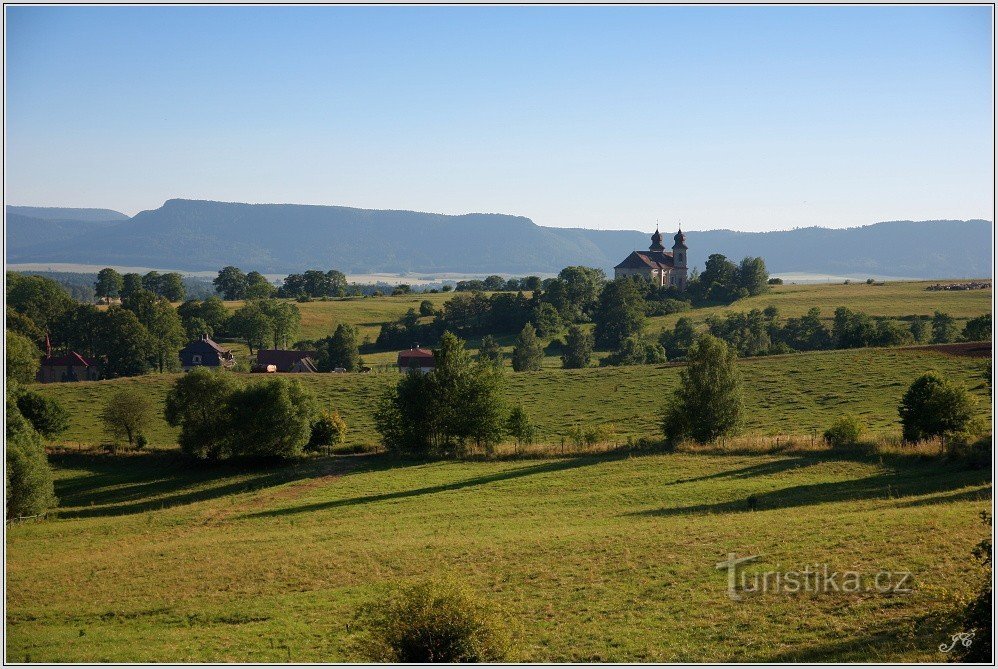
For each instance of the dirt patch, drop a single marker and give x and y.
(975, 349)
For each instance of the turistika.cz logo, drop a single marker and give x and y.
(812, 579)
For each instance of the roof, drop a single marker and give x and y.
(421, 355)
(206, 342)
(71, 359)
(647, 260)
(284, 360)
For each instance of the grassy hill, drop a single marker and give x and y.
(790, 394)
(596, 558)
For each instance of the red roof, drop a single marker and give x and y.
(71, 359)
(647, 259)
(422, 355)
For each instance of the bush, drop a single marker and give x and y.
(978, 329)
(434, 622)
(934, 407)
(126, 414)
(775, 281)
(29, 486)
(141, 442)
(45, 414)
(519, 427)
(329, 429)
(844, 432)
(272, 418)
(592, 435)
(198, 404)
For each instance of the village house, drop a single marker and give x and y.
(285, 361)
(68, 367)
(416, 359)
(204, 352)
(661, 267)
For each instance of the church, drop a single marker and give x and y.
(661, 267)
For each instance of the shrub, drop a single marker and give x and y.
(775, 281)
(434, 622)
(934, 407)
(141, 441)
(844, 432)
(578, 349)
(198, 404)
(29, 486)
(519, 427)
(329, 429)
(45, 414)
(592, 435)
(978, 329)
(272, 418)
(126, 414)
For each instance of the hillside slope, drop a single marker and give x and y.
(204, 235)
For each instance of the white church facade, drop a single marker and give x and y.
(661, 267)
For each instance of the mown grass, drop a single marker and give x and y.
(790, 394)
(597, 558)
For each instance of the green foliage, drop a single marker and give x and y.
(707, 404)
(935, 407)
(126, 414)
(919, 328)
(678, 342)
(171, 287)
(426, 308)
(329, 429)
(124, 342)
(198, 403)
(620, 314)
(23, 358)
(944, 329)
(46, 415)
(978, 329)
(722, 281)
(636, 350)
(343, 350)
(231, 283)
(285, 320)
(130, 283)
(272, 418)
(314, 283)
(29, 487)
(592, 435)
(257, 287)
(109, 283)
(22, 325)
(845, 432)
(161, 321)
(528, 351)
(489, 351)
(200, 317)
(578, 349)
(253, 325)
(435, 621)
(519, 427)
(439, 413)
(548, 320)
(978, 615)
(42, 300)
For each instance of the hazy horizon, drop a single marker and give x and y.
(737, 118)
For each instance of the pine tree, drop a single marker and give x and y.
(528, 351)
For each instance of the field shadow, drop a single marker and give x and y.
(123, 485)
(530, 470)
(944, 482)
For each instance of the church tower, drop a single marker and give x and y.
(679, 259)
(656, 241)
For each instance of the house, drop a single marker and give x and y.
(204, 352)
(286, 361)
(661, 267)
(68, 367)
(416, 359)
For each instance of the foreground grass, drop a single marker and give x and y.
(598, 558)
(792, 394)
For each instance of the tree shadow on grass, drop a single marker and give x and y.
(914, 480)
(762, 469)
(123, 485)
(530, 470)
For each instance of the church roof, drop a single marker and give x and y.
(647, 260)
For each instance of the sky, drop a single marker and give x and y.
(746, 118)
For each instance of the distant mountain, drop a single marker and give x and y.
(277, 238)
(27, 226)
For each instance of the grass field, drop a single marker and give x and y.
(596, 558)
(790, 394)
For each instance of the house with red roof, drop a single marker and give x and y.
(661, 267)
(416, 359)
(67, 367)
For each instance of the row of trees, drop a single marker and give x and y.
(111, 284)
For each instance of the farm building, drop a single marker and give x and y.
(661, 267)
(68, 367)
(286, 361)
(204, 352)
(416, 359)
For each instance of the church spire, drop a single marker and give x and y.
(656, 241)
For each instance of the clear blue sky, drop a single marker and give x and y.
(747, 118)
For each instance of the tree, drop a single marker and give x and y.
(621, 314)
(935, 407)
(109, 283)
(678, 342)
(285, 320)
(708, 402)
(151, 281)
(126, 414)
(29, 487)
(337, 283)
(578, 350)
(167, 334)
(532, 283)
(519, 426)
(130, 283)
(231, 283)
(426, 308)
(944, 328)
(752, 276)
(582, 289)
(22, 325)
(199, 404)
(978, 329)
(122, 342)
(493, 282)
(45, 414)
(327, 430)
(343, 349)
(171, 286)
(257, 287)
(42, 300)
(919, 328)
(636, 350)
(272, 418)
(23, 358)
(252, 324)
(528, 351)
(490, 351)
